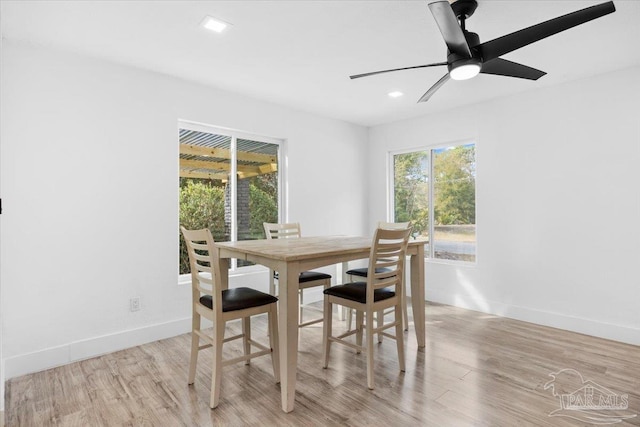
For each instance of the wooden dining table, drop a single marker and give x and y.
(289, 257)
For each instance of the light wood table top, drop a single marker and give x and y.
(305, 247)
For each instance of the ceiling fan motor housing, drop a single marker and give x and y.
(472, 38)
(463, 9)
(455, 60)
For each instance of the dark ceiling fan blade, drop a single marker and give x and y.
(450, 29)
(505, 44)
(434, 88)
(502, 67)
(357, 76)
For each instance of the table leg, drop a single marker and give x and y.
(343, 272)
(223, 268)
(288, 328)
(417, 294)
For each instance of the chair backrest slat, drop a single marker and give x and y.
(200, 257)
(281, 231)
(393, 225)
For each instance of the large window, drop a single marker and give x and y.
(435, 189)
(229, 183)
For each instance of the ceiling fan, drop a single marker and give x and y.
(466, 56)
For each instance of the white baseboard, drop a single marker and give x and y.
(609, 331)
(79, 350)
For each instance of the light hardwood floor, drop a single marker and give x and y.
(476, 370)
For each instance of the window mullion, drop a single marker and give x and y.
(283, 188)
(432, 253)
(233, 181)
(391, 185)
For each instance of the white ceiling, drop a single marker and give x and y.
(300, 53)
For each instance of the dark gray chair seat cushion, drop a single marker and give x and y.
(357, 291)
(364, 272)
(239, 299)
(309, 276)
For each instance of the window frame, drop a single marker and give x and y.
(235, 134)
(430, 253)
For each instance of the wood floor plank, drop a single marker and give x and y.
(476, 370)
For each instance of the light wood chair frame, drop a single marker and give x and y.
(292, 231)
(387, 251)
(205, 281)
(379, 316)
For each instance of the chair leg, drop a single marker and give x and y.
(359, 328)
(272, 290)
(399, 337)
(369, 338)
(346, 312)
(327, 325)
(246, 332)
(405, 312)
(216, 371)
(195, 343)
(273, 341)
(300, 304)
(380, 317)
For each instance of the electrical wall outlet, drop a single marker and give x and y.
(134, 304)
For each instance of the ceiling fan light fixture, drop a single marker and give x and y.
(465, 71)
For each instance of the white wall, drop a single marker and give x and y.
(89, 182)
(558, 204)
(558, 200)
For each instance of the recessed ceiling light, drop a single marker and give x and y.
(214, 24)
(395, 94)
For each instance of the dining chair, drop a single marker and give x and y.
(306, 280)
(362, 272)
(382, 290)
(219, 305)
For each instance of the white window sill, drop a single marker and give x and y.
(451, 262)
